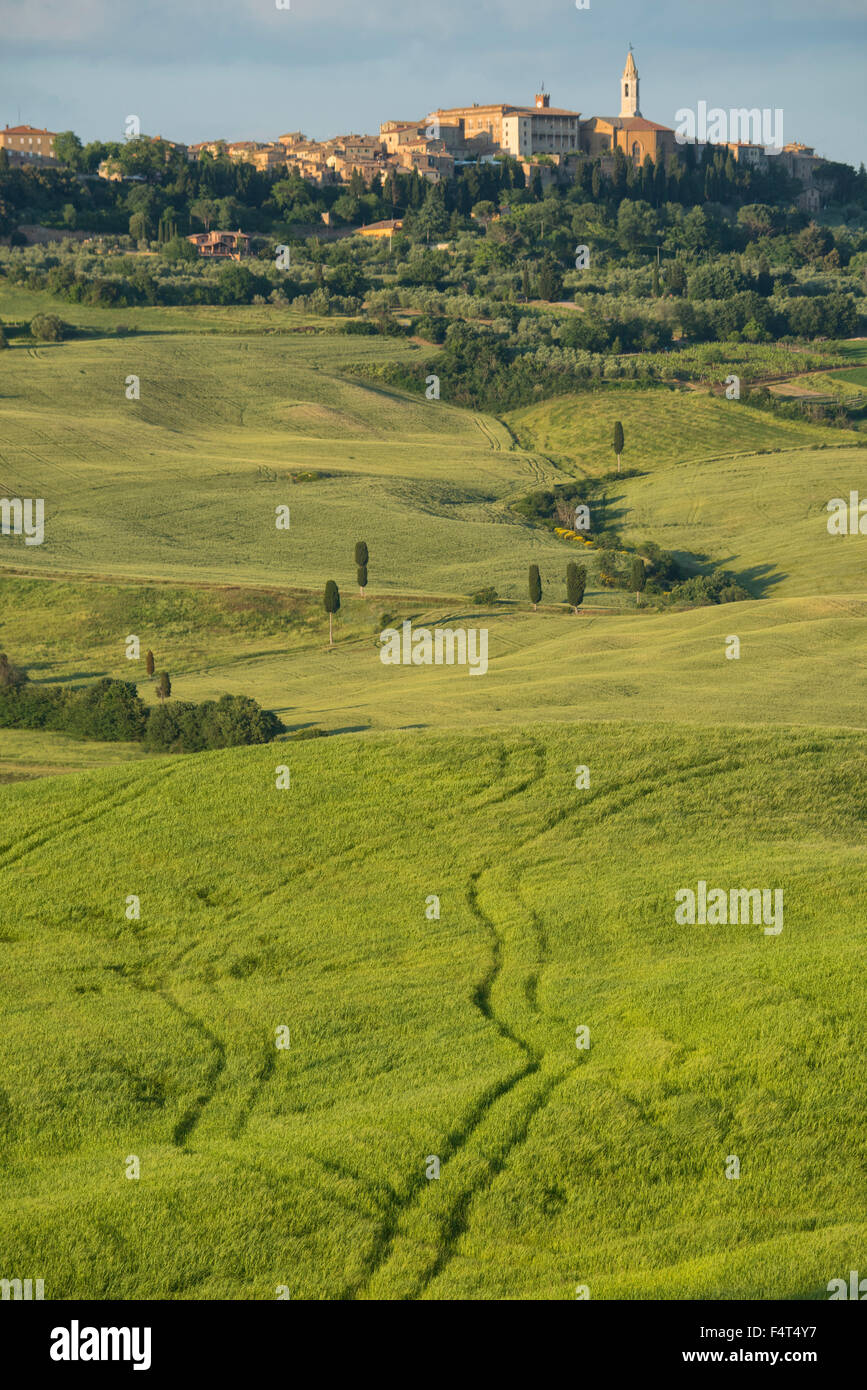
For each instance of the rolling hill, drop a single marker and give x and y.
(413, 1036)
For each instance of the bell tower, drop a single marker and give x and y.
(629, 88)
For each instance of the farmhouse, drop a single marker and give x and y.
(223, 245)
(380, 230)
(28, 142)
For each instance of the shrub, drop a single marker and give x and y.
(113, 711)
(10, 676)
(432, 327)
(361, 326)
(48, 328)
(485, 596)
(231, 721)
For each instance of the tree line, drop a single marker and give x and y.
(113, 711)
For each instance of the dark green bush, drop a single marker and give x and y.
(112, 711)
(48, 328)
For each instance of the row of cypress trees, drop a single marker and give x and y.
(576, 582)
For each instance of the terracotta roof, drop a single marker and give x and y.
(633, 123)
(539, 111)
(378, 226)
(28, 130)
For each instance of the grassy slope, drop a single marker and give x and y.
(183, 484)
(801, 660)
(410, 1037)
(662, 429)
(413, 1037)
(172, 485)
(734, 484)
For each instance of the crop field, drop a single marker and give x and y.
(433, 906)
(699, 428)
(414, 1036)
(185, 482)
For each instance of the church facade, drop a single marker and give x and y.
(629, 132)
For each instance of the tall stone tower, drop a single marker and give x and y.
(629, 88)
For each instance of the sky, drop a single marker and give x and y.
(246, 69)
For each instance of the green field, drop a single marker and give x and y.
(455, 1038)
(184, 482)
(416, 1036)
(663, 428)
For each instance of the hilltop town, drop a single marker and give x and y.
(549, 140)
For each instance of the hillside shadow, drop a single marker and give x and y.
(74, 677)
(759, 579)
(472, 617)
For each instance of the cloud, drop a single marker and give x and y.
(242, 67)
(326, 32)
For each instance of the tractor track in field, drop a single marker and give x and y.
(183, 1128)
(193, 1113)
(488, 433)
(71, 825)
(457, 1215)
(14, 853)
(456, 1219)
(266, 1071)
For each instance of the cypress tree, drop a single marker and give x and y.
(164, 685)
(618, 442)
(535, 586)
(332, 605)
(361, 559)
(576, 582)
(149, 663)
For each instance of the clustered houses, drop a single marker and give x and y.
(799, 161)
(448, 137)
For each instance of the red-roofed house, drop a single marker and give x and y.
(28, 141)
(222, 245)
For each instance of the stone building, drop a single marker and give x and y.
(28, 142)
